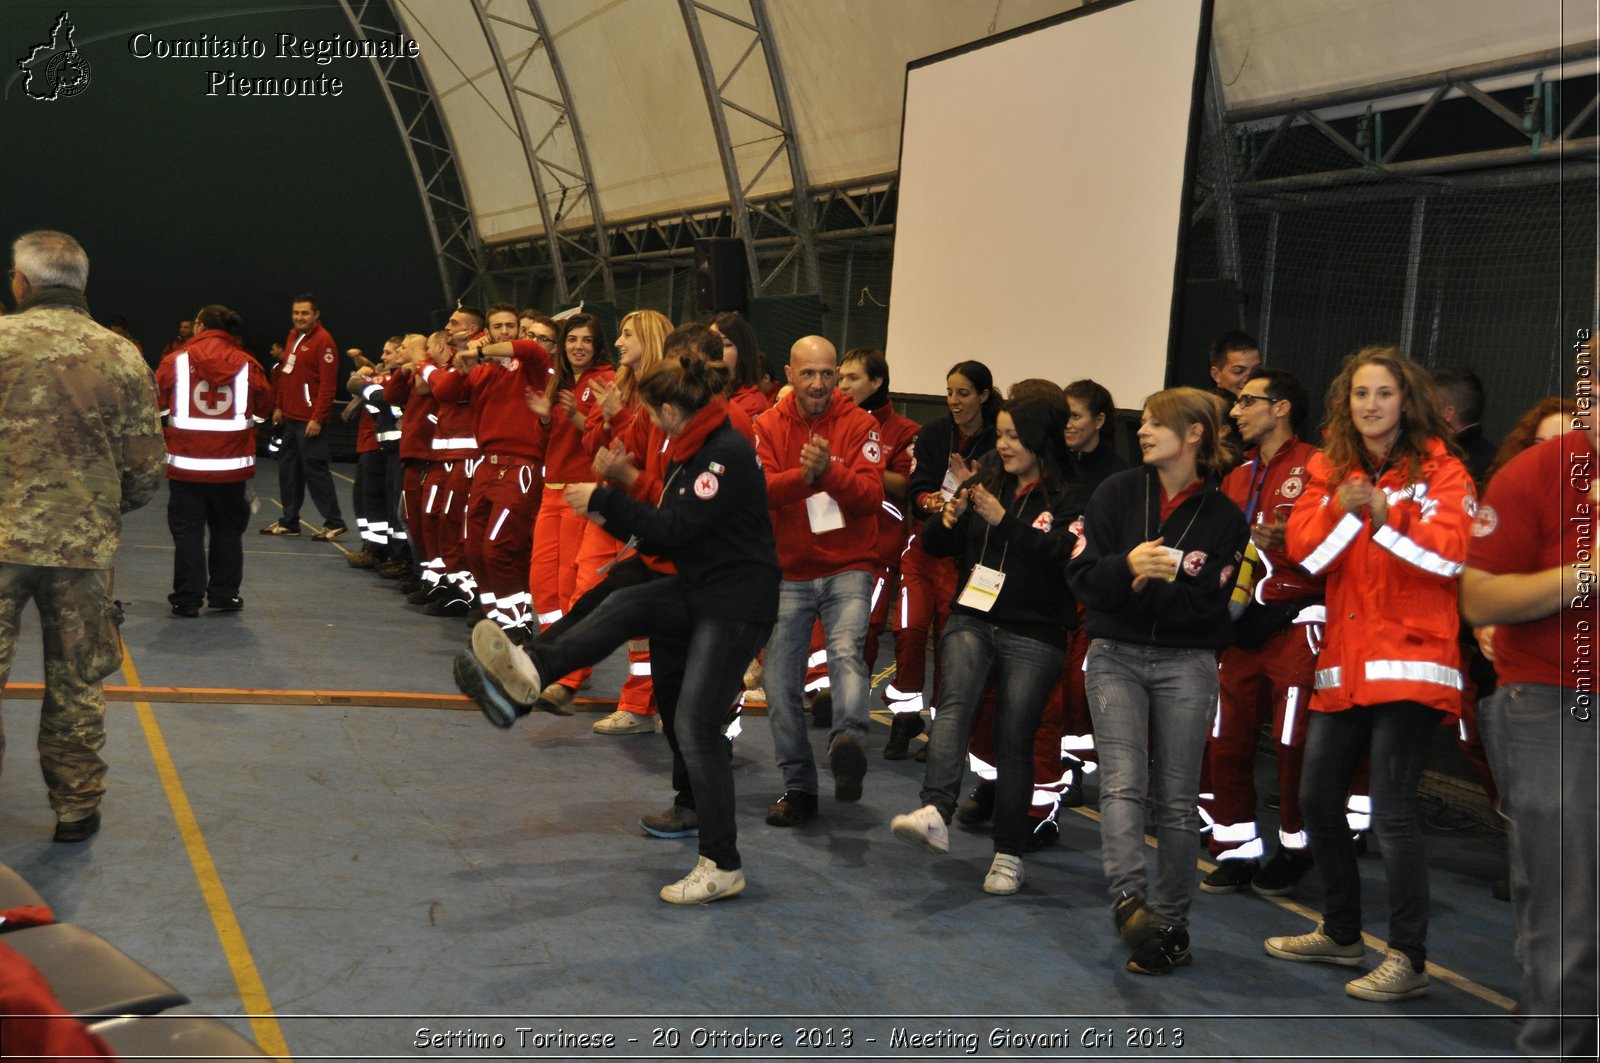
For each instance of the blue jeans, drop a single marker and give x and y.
(1541, 744)
(1152, 708)
(1399, 734)
(704, 673)
(844, 602)
(1025, 670)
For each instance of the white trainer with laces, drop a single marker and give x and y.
(924, 827)
(1393, 979)
(623, 722)
(506, 662)
(706, 883)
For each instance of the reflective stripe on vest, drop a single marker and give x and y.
(456, 443)
(1409, 550)
(178, 461)
(183, 395)
(1330, 548)
(1396, 671)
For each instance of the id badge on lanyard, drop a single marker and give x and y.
(982, 588)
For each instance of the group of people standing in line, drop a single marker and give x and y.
(1149, 618)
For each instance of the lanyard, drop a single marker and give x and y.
(1006, 547)
(1193, 517)
(1258, 480)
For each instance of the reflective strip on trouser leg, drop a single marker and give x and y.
(901, 702)
(639, 657)
(818, 659)
(494, 532)
(546, 619)
(515, 609)
(981, 768)
(1291, 709)
(433, 571)
(1076, 745)
(1216, 723)
(1296, 842)
(1358, 812)
(1242, 839)
(380, 532)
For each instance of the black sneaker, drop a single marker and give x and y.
(1279, 875)
(1072, 796)
(792, 809)
(1230, 876)
(188, 612)
(411, 586)
(422, 595)
(848, 759)
(1167, 950)
(226, 605)
(822, 709)
(456, 607)
(978, 808)
(1045, 833)
(902, 730)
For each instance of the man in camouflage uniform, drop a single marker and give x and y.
(80, 445)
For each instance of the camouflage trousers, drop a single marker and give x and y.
(81, 647)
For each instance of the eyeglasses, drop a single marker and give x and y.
(1244, 402)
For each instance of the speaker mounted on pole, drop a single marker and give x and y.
(721, 280)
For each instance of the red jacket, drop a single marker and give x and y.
(498, 416)
(212, 393)
(565, 458)
(1258, 492)
(304, 382)
(417, 419)
(853, 479)
(898, 435)
(453, 422)
(752, 400)
(1392, 621)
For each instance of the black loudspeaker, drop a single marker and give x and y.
(721, 280)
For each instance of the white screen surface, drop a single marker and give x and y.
(1041, 201)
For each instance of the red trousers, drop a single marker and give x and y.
(501, 504)
(1273, 682)
(444, 521)
(411, 507)
(553, 569)
(927, 586)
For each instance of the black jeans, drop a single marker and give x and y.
(192, 510)
(715, 652)
(1400, 733)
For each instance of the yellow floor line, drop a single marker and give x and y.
(252, 991)
(1443, 974)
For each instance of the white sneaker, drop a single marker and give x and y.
(506, 662)
(623, 722)
(925, 826)
(1005, 875)
(1393, 979)
(706, 883)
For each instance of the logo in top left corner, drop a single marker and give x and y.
(55, 69)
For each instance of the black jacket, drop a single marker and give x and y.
(931, 454)
(1190, 612)
(1031, 545)
(713, 524)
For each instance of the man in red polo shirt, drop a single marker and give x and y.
(1531, 574)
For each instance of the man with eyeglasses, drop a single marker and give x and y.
(1270, 666)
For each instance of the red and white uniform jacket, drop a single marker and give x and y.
(452, 426)
(212, 394)
(1258, 489)
(304, 382)
(498, 418)
(1392, 621)
(417, 418)
(897, 436)
(565, 458)
(853, 479)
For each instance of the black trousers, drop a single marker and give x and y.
(371, 502)
(302, 466)
(193, 509)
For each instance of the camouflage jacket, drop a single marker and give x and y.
(80, 440)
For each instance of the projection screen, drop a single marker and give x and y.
(1043, 184)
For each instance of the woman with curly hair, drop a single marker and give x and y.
(1386, 516)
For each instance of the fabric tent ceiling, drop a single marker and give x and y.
(637, 94)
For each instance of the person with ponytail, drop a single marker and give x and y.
(1010, 618)
(946, 454)
(705, 620)
(1155, 567)
(1386, 517)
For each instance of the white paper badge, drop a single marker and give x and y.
(982, 588)
(824, 513)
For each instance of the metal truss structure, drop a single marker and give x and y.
(552, 139)
(456, 246)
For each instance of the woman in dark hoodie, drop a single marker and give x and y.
(1161, 546)
(1010, 615)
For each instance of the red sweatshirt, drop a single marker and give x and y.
(417, 422)
(565, 458)
(304, 382)
(499, 418)
(853, 479)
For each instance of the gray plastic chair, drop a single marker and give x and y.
(92, 977)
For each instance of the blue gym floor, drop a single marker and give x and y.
(340, 880)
